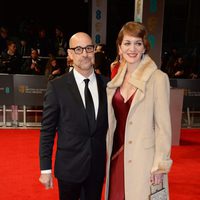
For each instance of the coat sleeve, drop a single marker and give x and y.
(163, 132)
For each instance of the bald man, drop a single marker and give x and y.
(81, 150)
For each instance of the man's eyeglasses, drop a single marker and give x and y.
(79, 50)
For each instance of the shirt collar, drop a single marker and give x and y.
(80, 78)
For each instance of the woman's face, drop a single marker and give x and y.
(53, 63)
(132, 49)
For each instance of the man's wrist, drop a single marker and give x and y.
(47, 171)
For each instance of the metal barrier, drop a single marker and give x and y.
(27, 92)
(24, 91)
(191, 100)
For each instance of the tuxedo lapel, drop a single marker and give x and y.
(74, 89)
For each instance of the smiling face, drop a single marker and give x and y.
(132, 42)
(131, 49)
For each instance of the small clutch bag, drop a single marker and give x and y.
(158, 193)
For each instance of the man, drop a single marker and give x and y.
(10, 61)
(33, 65)
(81, 145)
(102, 62)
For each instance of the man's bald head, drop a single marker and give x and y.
(78, 37)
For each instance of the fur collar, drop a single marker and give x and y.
(139, 77)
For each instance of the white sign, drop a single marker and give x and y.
(99, 21)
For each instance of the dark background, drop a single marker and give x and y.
(181, 26)
(72, 15)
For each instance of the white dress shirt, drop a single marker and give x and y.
(92, 86)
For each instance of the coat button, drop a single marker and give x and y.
(130, 161)
(130, 142)
(130, 122)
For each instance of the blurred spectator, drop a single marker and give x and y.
(24, 48)
(102, 64)
(33, 65)
(60, 42)
(164, 61)
(69, 63)
(43, 44)
(173, 56)
(3, 39)
(11, 61)
(178, 69)
(195, 62)
(52, 69)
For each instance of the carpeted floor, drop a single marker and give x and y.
(184, 178)
(20, 167)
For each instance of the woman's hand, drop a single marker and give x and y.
(156, 178)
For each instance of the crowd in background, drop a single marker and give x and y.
(182, 64)
(33, 52)
(37, 51)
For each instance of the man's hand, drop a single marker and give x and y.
(46, 180)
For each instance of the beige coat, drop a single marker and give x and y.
(147, 145)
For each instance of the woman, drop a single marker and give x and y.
(52, 70)
(139, 135)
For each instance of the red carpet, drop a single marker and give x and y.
(19, 167)
(184, 178)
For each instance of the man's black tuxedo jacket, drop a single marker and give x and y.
(77, 149)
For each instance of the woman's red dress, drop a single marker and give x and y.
(116, 185)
